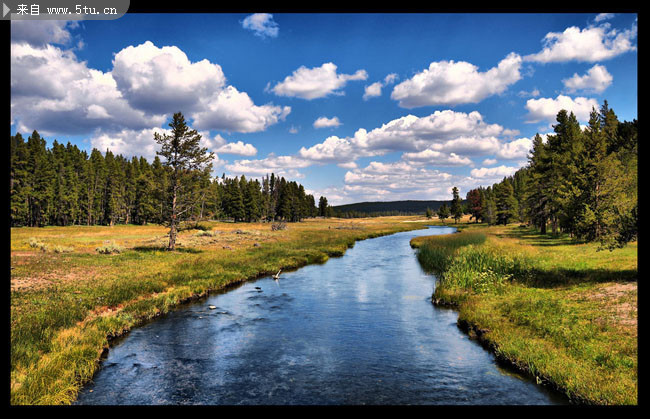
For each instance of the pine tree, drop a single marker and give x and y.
(506, 204)
(443, 212)
(184, 156)
(456, 208)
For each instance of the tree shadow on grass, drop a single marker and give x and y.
(151, 249)
(561, 277)
(535, 238)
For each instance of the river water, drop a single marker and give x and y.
(359, 329)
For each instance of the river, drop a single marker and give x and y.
(359, 329)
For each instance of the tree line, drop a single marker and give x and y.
(578, 181)
(64, 186)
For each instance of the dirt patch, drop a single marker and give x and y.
(619, 301)
(47, 280)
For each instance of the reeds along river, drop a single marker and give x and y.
(359, 329)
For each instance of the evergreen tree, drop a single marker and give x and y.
(506, 204)
(184, 156)
(456, 207)
(443, 212)
(322, 206)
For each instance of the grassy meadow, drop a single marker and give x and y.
(560, 310)
(75, 288)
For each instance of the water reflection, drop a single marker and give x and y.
(359, 329)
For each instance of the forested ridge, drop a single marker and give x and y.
(63, 185)
(365, 209)
(580, 182)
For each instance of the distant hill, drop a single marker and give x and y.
(403, 207)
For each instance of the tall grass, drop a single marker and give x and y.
(558, 310)
(436, 252)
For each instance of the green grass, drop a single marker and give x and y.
(558, 309)
(66, 307)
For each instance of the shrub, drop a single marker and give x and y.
(205, 233)
(280, 225)
(110, 248)
(48, 248)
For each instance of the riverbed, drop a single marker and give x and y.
(359, 329)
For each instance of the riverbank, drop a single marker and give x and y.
(558, 310)
(68, 301)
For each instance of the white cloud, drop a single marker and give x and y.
(262, 25)
(596, 80)
(293, 130)
(603, 16)
(442, 131)
(517, 149)
(232, 110)
(129, 142)
(437, 158)
(390, 78)
(489, 162)
(547, 108)
(348, 165)
(594, 43)
(324, 122)
(42, 32)
(218, 144)
(332, 150)
(164, 80)
(399, 180)
(317, 82)
(453, 83)
(280, 165)
(238, 148)
(498, 172)
(55, 93)
(374, 89)
(534, 93)
(141, 143)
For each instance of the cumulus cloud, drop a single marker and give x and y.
(593, 43)
(324, 122)
(596, 80)
(262, 25)
(54, 92)
(374, 89)
(232, 110)
(42, 32)
(218, 144)
(442, 131)
(456, 82)
(546, 109)
(280, 165)
(317, 82)
(494, 172)
(489, 162)
(517, 149)
(400, 180)
(238, 148)
(164, 80)
(433, 157)
(129, 142)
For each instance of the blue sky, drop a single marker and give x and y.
(354, 106)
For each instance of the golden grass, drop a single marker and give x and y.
(66, 306)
